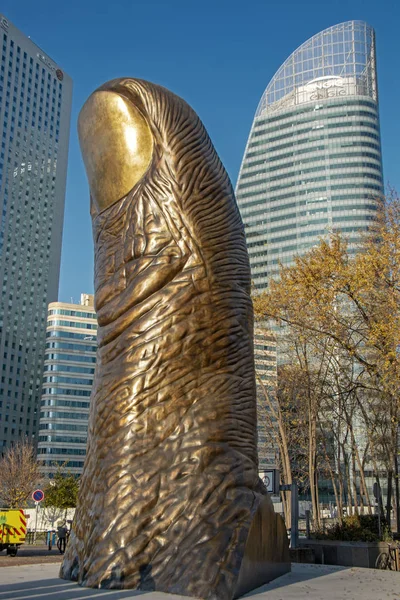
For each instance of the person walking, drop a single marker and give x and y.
(62, 537)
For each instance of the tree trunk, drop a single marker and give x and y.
(348, 482)
(341, 486)
(335, 490)
(312, 465)
(389, 497)
(379, 501)
(363, 483)
(397, 490)
(287, 480)
(355, 493)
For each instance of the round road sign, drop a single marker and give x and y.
(267, 481)
(38, 495)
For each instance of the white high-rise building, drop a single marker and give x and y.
(69, 366)
(35, 108)
(312, 163)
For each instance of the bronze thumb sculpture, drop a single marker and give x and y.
(170, 497)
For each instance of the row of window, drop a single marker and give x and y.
(296, 133)
(337, 202)
(61, 356)
(316, 118)
(297, 216)
(319, 152)
(265, 196)
(71, 380)
(70, 334)
(264, 347)
(62, 439)
(342, 218)
(63, 427)
(267, 244)
(311, 108)
(63, 415)
(66, 451)
(77, 324)
(72, 313)
(325, 159)
(265, 367)
(72, 464)
(327, 168)
(289, 260)
(68, 368)
(300, 234)
(309, 213)
(65, 392)
(64, 403)
(66, 346)
(303, 190)
(308, 141)
(321, 232)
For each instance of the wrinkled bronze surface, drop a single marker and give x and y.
(170, 497)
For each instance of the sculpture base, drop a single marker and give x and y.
(259, 555)
(266, 555)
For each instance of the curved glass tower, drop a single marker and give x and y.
(312, 163)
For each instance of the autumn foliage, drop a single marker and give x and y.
(339, 308)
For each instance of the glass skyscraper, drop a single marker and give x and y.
(35, 106)
(69, 365)
(312, 163)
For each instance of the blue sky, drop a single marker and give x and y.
(218, 55)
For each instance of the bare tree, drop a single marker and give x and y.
(19, 474)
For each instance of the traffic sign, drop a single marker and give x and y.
(270, 479)
(38, 495)
(267, 481)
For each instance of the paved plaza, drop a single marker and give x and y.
(305, 582)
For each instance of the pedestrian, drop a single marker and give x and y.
(62, 537)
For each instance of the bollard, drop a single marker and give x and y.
(308, 529)
(294, 503)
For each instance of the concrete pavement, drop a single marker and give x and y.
(30, 555)
(306, 582)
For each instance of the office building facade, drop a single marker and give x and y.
(35, 107)
(312, 164)
(69, 365)
(266, 379)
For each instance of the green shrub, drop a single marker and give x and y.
(357, 528)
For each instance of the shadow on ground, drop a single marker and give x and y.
(53, 588)
(297, 575)
(58, 589)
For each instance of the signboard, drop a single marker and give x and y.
(4, 23)
(59, 74)
(37, 495)
(267, 480)
(270, 477)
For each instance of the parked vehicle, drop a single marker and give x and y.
(12, 530)
(390, 559)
